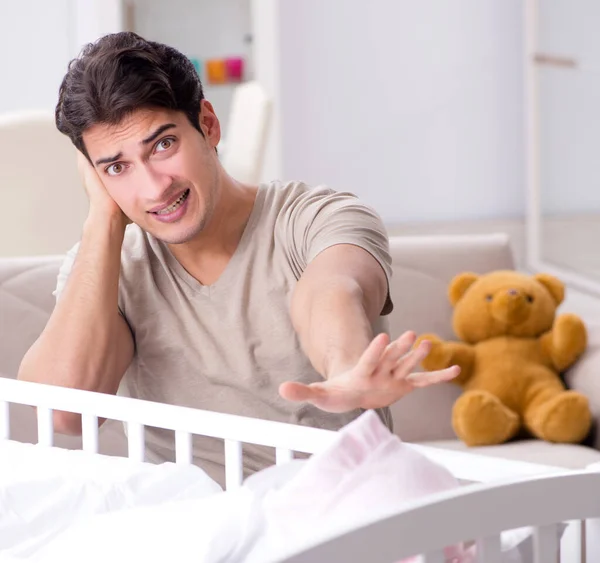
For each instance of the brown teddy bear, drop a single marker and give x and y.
(513, 349)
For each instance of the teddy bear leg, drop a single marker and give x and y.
(564, 418)
(480, 419)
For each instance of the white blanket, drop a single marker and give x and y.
(44, 491)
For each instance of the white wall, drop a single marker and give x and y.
(34, 52)
(38, 38)
(414, 105)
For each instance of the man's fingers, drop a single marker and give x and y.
(371, 357)
(395, 351)
(424, 379)
(407, 363)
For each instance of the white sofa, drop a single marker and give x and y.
(423, 266)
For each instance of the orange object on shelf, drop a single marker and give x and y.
(216, 71)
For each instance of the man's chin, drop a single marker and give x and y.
(174, 234)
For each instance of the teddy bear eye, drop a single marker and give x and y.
(488, 297)
(529, 298)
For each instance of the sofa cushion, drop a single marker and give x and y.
(584, 377)
(569, 456)
(26, 302)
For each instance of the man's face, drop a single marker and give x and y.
(159, 169)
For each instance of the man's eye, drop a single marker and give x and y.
(115, 169)
(164, 145)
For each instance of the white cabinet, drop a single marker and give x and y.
(563, 139)
(201, 30)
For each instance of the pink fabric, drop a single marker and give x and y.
(367, 474)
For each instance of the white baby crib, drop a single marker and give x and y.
(505, 495)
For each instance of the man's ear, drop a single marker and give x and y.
(209, 123)
(459, 285)
(555, 287)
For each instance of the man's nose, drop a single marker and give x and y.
(154, 185)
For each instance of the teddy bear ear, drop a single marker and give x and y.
(553, 285)
(459, 286)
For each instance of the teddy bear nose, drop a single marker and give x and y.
(510, 306)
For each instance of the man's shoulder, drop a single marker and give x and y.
(291, 191)
(295, 198)
(137, 244)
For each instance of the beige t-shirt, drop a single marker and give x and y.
(228, 346)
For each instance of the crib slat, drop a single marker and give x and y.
(545, 544)
(283, 456)
(234, 474)
(592, 540)
(434, 557)
(135, 441)
(572, 542)
(489, 549)
(45, 426)
(89, 433)
(4, 421)
(183, 447)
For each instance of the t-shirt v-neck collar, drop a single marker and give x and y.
(228, 274)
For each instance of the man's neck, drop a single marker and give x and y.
(207, 255)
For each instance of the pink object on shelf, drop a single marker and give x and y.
(234, 68)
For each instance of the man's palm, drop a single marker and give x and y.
(382, 376)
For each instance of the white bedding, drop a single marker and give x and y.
(43, 491)
(67, 506)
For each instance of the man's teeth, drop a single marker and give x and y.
(174, 205)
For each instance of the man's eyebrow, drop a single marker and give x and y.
(108, 159)
(145, 141)
(158, 132)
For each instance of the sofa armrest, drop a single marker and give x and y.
(584, 377)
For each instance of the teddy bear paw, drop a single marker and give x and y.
(480, 419)
(565, 418)
(439, 356)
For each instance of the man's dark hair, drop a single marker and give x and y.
(121, 73)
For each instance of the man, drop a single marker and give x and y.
(191, 288)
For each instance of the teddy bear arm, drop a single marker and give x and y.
(445, 354)
(462, 355)
(565, 343)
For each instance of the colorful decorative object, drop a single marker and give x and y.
(197, 65)
(216, 71)
(235, 68)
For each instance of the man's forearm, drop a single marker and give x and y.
(75, 347)
(333, 325)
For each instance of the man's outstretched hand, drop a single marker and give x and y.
(382, 376)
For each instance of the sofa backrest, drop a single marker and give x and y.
(422, 270)
(423, 266)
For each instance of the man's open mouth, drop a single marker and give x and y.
(174, 205)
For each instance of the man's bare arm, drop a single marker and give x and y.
(340, 294)
(337, 299)
(86, 343)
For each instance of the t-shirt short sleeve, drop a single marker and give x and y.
(64, 271)
(320, 218)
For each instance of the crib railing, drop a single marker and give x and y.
(476, 513)
(137, 414)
